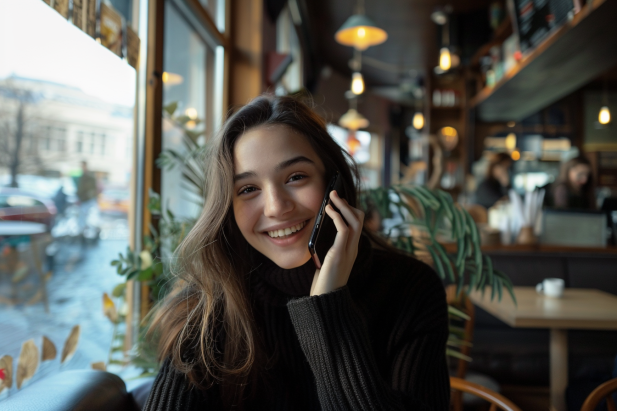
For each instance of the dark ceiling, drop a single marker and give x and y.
(412, 36)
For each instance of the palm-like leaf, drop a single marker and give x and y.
(429, 218)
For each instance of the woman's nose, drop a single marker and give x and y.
(277, 202)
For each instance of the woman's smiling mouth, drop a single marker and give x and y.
(288, 231)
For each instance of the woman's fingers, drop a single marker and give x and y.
(340, 241)
(354, 217)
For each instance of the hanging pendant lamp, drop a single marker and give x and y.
(360, 32)
(353, 120)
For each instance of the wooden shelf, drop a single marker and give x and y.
(500, 34)
(458, 107)
(571, 56)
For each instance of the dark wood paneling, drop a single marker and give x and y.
(599, 272)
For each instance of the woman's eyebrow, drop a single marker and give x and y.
(279, 167)
(291, 162)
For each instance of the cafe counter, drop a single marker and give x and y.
(580, 267)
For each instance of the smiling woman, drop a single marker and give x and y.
(253, 324)
(276, 199)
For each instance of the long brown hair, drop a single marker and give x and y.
(586, 191)
(205, 325)
(564, 172)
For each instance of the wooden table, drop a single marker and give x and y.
(579, 308)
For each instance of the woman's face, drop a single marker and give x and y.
(278, 189)
(501, 173)
(578, 175)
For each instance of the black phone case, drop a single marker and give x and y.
(324, 230)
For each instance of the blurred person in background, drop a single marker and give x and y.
(497, 181)
(87, 191)
(574, 187)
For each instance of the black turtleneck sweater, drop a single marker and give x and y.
(376, 344)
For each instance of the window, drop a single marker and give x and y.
(216, 9)
(79, 142)
(61, 145)
(190, 62)
(79, 86)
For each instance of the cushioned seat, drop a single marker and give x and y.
(74, 390)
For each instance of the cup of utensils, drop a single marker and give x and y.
(551, 287)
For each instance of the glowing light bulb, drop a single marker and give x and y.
(172, 79)
(357, 83)
(445, 60)
(516, 155)
(511, 141)
(190, 112)
(353, 143)
(361, 32)
(418, 121)
(605, 115)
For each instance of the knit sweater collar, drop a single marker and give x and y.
(274, 285)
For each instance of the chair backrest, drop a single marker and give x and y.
(464, 304)
(497, 401)
(603, 391)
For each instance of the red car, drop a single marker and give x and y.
(20, 205)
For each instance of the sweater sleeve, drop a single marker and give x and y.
(171, 391)
(335, 339)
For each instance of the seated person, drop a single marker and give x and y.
(573, 188)
(497, 181)
(252, 324)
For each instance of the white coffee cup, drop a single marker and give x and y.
(551, 287)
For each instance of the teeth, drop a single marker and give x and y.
(286, 231)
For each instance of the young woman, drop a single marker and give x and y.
(251, 324)
(497, 181)
(573, 188)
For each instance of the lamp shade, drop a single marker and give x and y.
(353, 120)
(360, 32)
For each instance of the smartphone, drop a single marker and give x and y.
(324, 230)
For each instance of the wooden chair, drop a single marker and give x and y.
(604, 391)
(464, 304)
(497, 401)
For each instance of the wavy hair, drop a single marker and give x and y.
(204, 326)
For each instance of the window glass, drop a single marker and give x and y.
(287, 42)
(188, 95)
(216, 9)
(59, 95)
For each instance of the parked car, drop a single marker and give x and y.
(21, 205)
(114, 200)
(61, 190)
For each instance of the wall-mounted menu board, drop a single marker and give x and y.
(535, 19)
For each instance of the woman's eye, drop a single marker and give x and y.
(297, 177)
(246, 190)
